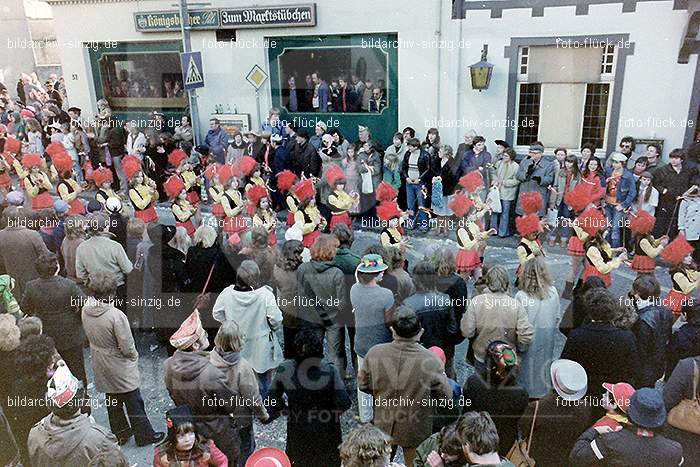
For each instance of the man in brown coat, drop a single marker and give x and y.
(115, 362)
(407, 382)
(19, 249)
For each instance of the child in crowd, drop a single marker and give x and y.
(616, 401)
(684, 277)
(184, 446)
(646, 247)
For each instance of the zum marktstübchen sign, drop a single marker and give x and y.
(229, 18)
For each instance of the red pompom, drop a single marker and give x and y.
(472, 181)
(255, 194)
(579, 198)
(527, 225)
(386, 192)
(531, 202)
(131, 166)
(13, 145)
(460, 204)
(31, 160)
(286, 180)
(676, 251)
(305, 190)
(334, 174)
(642, 223)
(54, 149)
(388, 210)
(102, 176)
(63, 163)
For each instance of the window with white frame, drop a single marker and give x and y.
(564, 95)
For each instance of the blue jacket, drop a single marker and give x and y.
(217, 140)
(626, 189)
(323, 96)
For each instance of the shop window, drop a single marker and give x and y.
(142, 80)
(350, 79)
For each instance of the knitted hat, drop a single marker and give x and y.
(334, 175)
(439, 353)
(173, 186)
(386, 192)
(642, 222)
(31, 160)
(305, 190)
(102, 176)
(247, 165)
(579, 197)
(189, 332)
(131, 166)
(460, 204)
(13, 145)
(531, 202)
(178, 416)
(527, 225)
(286, 180)
(60, 206)
(388, 210)
(15, 198)
(63, 163)
(63, 386)
(472, 181)
(677, 250)
(592, 221)
(176, 157)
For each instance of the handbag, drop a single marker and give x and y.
(367, 186)
(552, 216)
(437, 197)
(686, 415)
(493, 199)
(519, 453)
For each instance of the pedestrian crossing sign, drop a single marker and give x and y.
(192, 71)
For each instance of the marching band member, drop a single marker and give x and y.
(232, 202)
(529, 227)
(36, 182)
(68, 188)
(339, 201)
(251, 169)
(473, 183)
(8, 162)
(578, 199)
(308, 215)
(103, 179)
(259, 208)
(684, 277)
(469, 236)
(193, 183)
(392, 232)
(183, 210)
(285, 181)
(600, 256)
(216, 190)
(646, 247)
(143, 193)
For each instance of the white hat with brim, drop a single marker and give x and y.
(618, 157)
(569, 379)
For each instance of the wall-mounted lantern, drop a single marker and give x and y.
(481, 71)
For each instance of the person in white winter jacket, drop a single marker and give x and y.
(255, 311)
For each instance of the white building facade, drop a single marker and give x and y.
(564, 71)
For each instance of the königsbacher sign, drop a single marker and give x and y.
(229, 18)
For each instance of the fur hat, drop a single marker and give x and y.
(592, 221)
(13, 145)
(677, 250)
(388, 210)
(31, 160)
(247, 165)
(472, 181)
(305, 190)
(579, 197)
(54, 149)
(255, 194)
(334, 175)
(642, 222)
(531, 202)
(102, 176)
(63, 163)
(131, 166)
(386, 192)
(173, 186)
(176, 157)
(527, 225)
(461, 204)
(286, 180)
